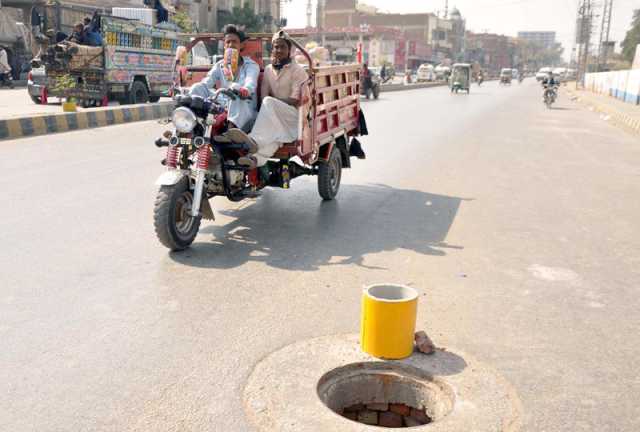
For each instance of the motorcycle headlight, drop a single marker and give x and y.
(184, 120)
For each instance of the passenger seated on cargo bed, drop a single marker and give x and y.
(92, 36)
(78, 34)
(281, 93)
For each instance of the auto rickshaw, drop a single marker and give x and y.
(460, 77)
(505, 76)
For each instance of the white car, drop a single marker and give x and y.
(426, 73)
(542, 73)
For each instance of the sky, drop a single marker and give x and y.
(500, 16)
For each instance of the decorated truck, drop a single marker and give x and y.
(133, 65)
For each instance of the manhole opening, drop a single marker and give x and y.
(389, 395)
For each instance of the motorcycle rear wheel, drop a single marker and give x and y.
(175, 228)
(330, 175)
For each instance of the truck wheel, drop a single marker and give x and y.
(36, 99)
(138, 93)
(329, 175)
(175, 228)
(154, 99)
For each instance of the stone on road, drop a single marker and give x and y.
(517, 225)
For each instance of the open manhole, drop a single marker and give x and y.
(389, 395)
(311, 385)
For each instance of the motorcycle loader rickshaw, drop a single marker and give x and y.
(460, 77)
(200, 163)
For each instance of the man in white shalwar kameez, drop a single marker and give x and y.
(281, 95)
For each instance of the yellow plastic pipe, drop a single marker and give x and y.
(388, 321)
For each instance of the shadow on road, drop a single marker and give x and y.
(300, 233)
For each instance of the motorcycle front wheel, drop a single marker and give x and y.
(175, 227)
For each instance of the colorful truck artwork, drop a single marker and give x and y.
(134, 65)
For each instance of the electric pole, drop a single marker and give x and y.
(446, 9)
(584, 29)
(309, 13)
(605, 32)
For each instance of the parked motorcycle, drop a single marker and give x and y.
(6, 80)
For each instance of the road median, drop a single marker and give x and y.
(28, 126)
(44, 124)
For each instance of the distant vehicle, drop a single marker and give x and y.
(460, 78)
(426, 73)
(550, 94)
(506, 75)
(442, 72)
(37, 84)
(542, 73)
(133, 64)
(6, 79)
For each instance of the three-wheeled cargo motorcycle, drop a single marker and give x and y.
(201, 163)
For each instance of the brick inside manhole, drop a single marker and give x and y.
(391, 395)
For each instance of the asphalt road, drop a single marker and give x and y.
(518, 224)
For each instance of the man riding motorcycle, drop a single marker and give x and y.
(550, 80)
(550, 84)
(236, 73)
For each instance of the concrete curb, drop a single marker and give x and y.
(64, 122)
(23, 127)
(401, 87)
(632, 124)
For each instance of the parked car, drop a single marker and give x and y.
(36, 84)
(426, 73)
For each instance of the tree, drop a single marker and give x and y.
(632, 39)
(243, 17)
(183, 20)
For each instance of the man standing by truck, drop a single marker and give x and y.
(244, 80)
(5, 69)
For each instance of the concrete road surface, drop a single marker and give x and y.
(517, 224)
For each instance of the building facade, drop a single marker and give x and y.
(380, 45)
(492, 51)
(546, 39)
(431, 35)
